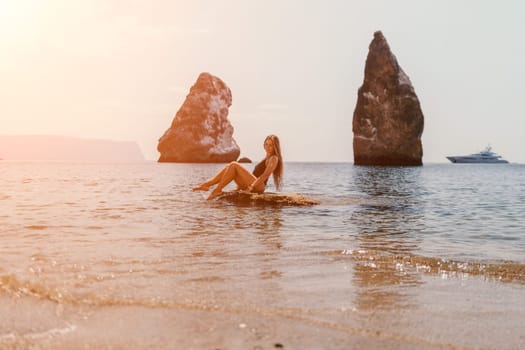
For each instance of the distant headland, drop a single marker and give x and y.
(66, 148)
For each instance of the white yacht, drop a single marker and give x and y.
(485, 156)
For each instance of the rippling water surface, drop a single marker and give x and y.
(135, 234)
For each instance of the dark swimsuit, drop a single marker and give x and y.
(259, 169)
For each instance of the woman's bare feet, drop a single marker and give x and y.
(201, 187)
(215, 194)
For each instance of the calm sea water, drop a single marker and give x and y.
(462, 212)
(135, 234)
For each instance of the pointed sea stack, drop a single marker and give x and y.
(388, 121)
(200, 131)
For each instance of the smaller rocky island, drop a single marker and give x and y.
(267, 199)
(244, 160)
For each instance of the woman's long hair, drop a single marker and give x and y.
(278, 172)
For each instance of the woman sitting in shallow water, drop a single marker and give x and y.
(253, 182)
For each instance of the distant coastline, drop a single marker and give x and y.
(67, 148)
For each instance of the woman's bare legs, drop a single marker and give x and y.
(205, 186)
(234, 172)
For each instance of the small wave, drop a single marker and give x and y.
(11, 285)
(505, 271)
(53, 332)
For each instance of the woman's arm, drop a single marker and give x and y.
(272, 164)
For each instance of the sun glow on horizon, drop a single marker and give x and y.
(13, 12)
(18, 23)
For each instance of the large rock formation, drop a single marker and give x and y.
(388, 121)
(200, 131)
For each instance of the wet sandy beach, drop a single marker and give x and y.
(358, 303)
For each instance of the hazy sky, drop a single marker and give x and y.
(121, 69)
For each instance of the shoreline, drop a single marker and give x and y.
(421, 310)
